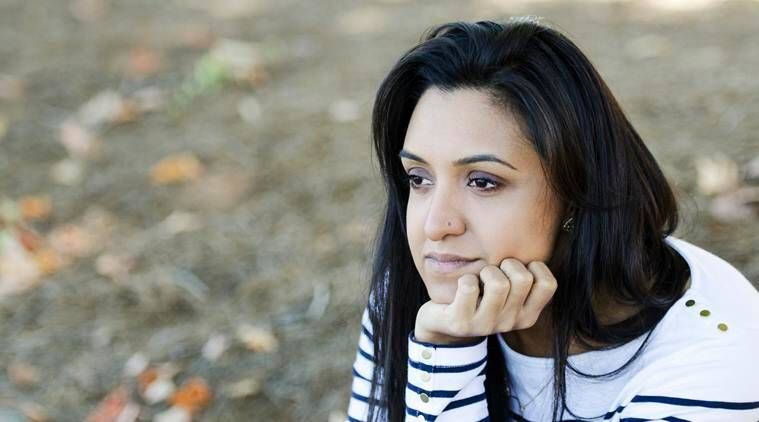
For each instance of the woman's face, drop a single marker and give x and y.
(493, 204)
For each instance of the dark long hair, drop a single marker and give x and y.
(594, 161)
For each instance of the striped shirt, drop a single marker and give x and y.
(701, 363)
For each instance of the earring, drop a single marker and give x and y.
(568, 224)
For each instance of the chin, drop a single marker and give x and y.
(442, 292)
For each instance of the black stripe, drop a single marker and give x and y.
(437, 369)
(465, 402)
(433, 393)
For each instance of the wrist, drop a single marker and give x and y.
(423, 336)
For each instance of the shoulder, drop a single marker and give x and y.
(700, 362)
(718, 288)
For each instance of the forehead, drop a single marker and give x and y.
(463, 122)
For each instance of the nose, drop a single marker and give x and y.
(443, 216)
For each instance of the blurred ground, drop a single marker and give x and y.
(190, 183)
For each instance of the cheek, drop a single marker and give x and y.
(516, 231)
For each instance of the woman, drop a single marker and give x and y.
(525, 268)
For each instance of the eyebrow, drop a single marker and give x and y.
(461, 161)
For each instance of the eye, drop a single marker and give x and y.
(415, 181)
(484, 184)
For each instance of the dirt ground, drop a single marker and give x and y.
(255, 243)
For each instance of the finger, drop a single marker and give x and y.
(521, 281)
(465, 301)
(496, 288)
(543, 289)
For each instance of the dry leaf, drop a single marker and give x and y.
(111, 407)
(177, 168)
(106, 108)
(242, 388)
(34, 412)
(72, 240)
(159, 390)
(67, 172)
(215, 347)
(49, 260)
(115, 267)
(257, 339)
(181, 222)
(79, 141)
(35, 207)
(23, 375)
(173, 414)
(193, 395)
(716, 174)
(143, 61)
(136, 364)
(218, 190)
(735, 206)
(18, 269)
(29, 239)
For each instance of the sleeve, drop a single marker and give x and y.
(363, 369)
(445, 382)
(714, 383)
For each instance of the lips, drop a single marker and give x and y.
(445, 257)
(446, 263)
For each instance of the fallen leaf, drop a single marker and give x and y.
(257, 339)
(181, 222)
(143, 61)
(49, 260)
(159, 390)
(193, 395)
(116, 267)
(18, 269)
(242, 388)
(176, 168)
(344, 110)
(79, 141)
(217, 190)
(34, 412)
(716, 174)
(35, 207)
(215, 347)
(173, 414)
(735, 206)
(29, 239)
(111, 406)
(136, 364)
(67, 172)
(106, 108)
(72, 240)
(23, 375)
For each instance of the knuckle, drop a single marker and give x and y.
(487, 271)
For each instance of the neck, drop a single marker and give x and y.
(537, 341)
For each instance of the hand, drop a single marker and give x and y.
(514, 296)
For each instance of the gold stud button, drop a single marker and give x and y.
(426, 354)
(722, 327)
(425, 398)
(705, 312)
(690, 302)
(425, 376)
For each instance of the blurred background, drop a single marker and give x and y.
(188, 196)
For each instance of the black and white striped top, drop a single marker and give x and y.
(700, 364)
